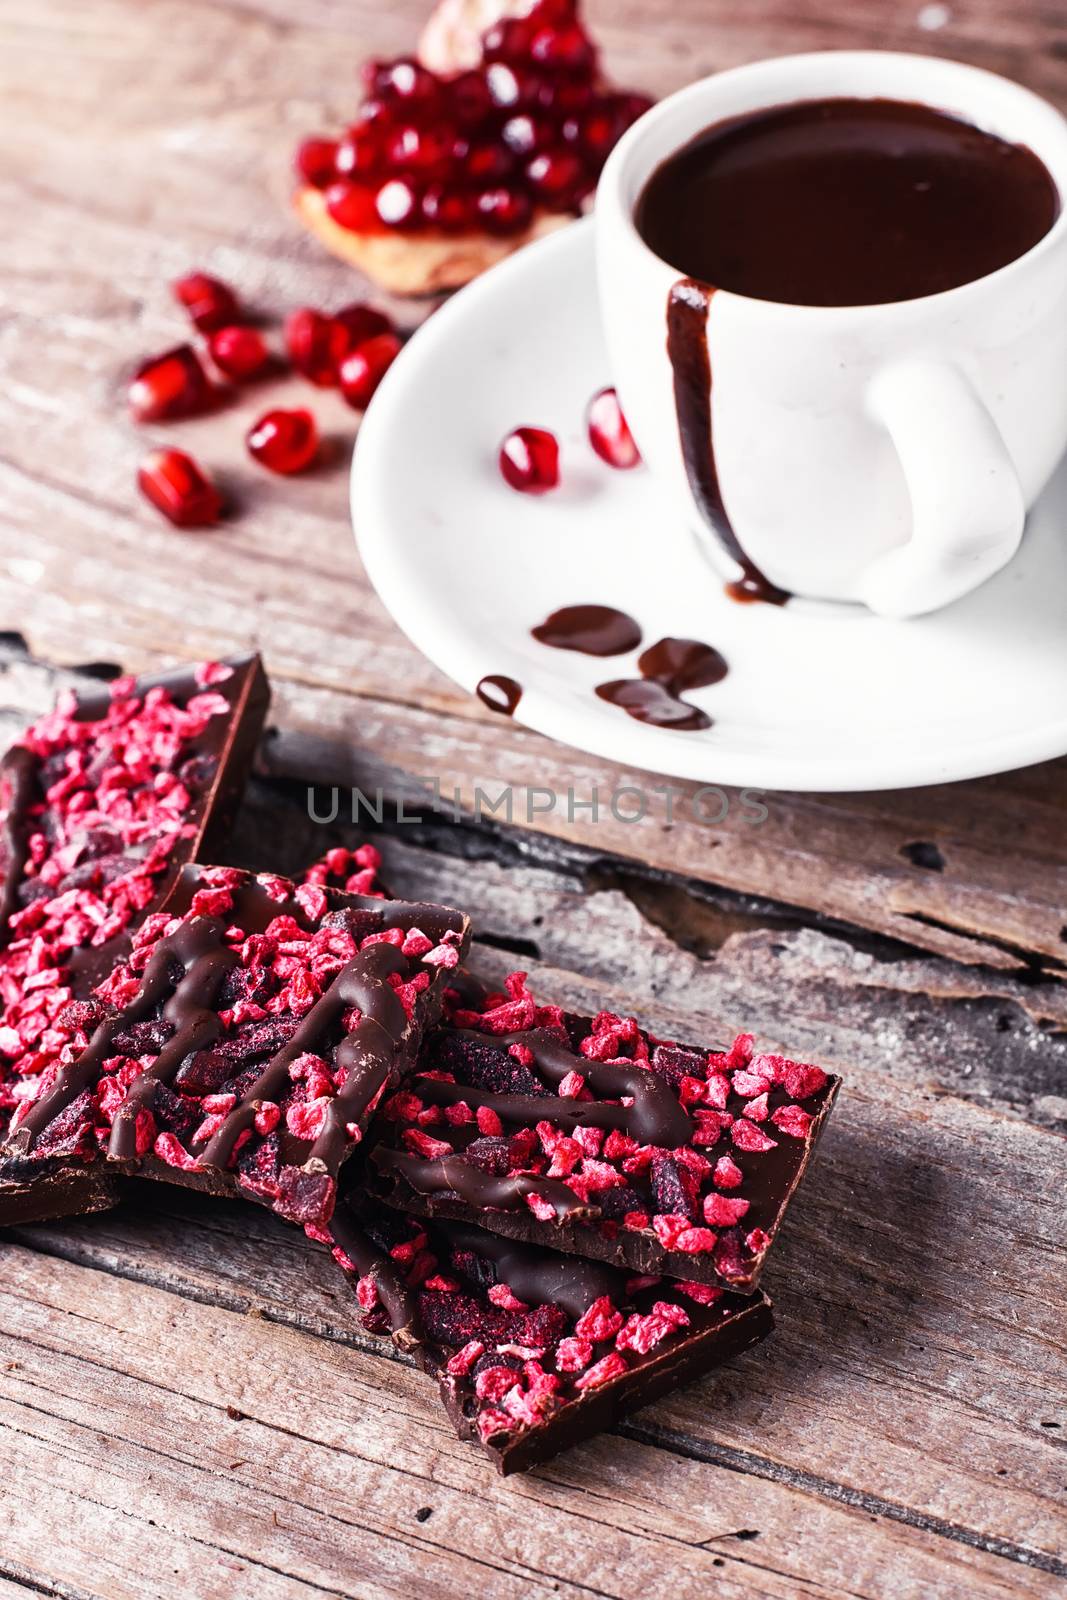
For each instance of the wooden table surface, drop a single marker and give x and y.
(187, 1405)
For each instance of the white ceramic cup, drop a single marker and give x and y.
(885, 454)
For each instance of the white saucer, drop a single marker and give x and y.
(817, 697)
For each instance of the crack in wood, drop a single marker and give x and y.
(745, 1462)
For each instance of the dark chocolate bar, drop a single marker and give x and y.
(101, 803)
(246, 1042)
(533, 1350)
(593, 1137)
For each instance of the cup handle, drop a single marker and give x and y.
(967, 503)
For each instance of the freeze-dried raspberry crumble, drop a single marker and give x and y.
(593, 1136)
(533, 1350)
(101, 802)
(246, 1041)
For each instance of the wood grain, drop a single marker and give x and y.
(189, 164)
(330, 1455)
(901, 1434)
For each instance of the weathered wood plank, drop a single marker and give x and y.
(191, 164)
(917, 1358)
(324, 1473)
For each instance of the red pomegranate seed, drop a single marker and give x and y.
(509, 41)
(171, 385)
(209, 303)
(489, 163)
(523, 133)
(450, 210)
(352, 206)
(609, 432)
(469, 99)
(529, 460)
(362, 322)
(567, 48)
(364, 369)
(555, 176)
(359, 151)
(510, 88)
(402, 80)
(284, 441)
(316, 345)
(240, 353)
(316, 162)
(179, 488)
(504, 210)
(397, 203)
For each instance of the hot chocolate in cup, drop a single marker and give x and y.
(835, 294)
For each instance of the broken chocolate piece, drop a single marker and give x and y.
(244, 1045)
(533, 1350)
(660, 1157)
(101, 802)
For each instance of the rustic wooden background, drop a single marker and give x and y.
(187, 1407)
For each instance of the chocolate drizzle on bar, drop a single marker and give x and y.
(181, 987)
(18, 791)
(688, 307)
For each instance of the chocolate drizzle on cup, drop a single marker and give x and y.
(668, 667)
(688, 307)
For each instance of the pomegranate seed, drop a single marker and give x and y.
(489, 163)
(509, 41)
(529, 460)
(523, 133)
(448, 209)
(239, 353)
(177, 487)
(426, 150)
(362, 322)
(171, 385)
(363, 370)
(567, 49)
(566, 96)
(284, 441)
(508, 87)
(504, 210)
(359, 151)
(397, 203)
(609, 432)
(352, 206)
(630, 106)
(402, 80)
(555, 175)
(316, 162)
(469, 99)
(209, 303)
(316, 345)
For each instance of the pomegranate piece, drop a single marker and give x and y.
(362, 322)
(210, 304)
(284, 441)
(351, 206)
(179, 488)
(363, 370)
(529, 460)
(316, 162)
(609, 432)
(529, 126)
(316, 345)
(238, 352)
(171, 385)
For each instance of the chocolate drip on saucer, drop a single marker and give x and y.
(499, 693)
(591, 630)
(680, 664)
(687, 346)
(648, 701)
